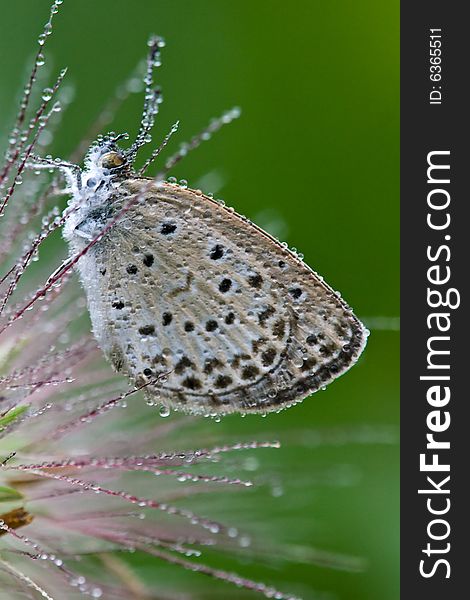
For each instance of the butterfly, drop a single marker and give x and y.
(203, 309)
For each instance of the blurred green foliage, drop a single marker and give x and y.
(314, 158)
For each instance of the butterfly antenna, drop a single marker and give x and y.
(197, 140)
(38, 162)
(158, 150)
(153, 97)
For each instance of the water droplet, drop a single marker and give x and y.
(164, 411)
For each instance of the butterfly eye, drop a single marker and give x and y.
(111, 160)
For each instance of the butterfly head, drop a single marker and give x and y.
(106, 159)
(112, 159)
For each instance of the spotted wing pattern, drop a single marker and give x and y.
(215, 313)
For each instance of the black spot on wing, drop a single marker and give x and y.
(223, 381)
(148, 260)
(159, 359)
(210, 364)
(147, 330)
(250, 372)
(216, 252)
(211, 325)
(168, 228)
(192, 383)
(265, 314)
(279, 328)
(167, 318)
(295, 292)
(225, 285)
(183, 364)
(268, 356)
(257, 344)
(255, 281)
(235, 362)
(309, 363)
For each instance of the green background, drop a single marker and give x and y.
(314, 158)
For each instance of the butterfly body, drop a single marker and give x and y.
(192, 299)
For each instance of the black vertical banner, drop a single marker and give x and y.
(435, 175)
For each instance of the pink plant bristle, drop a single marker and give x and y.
(122, 540)
(90, 486)
(24, 104)
(100, 525)
(53, 360)
(41, 121)
(233, 578)
(47, 370)
(39, 125)
(51, 223)
(135, 463)
(44, 555)
(95, 412)
(19, 226)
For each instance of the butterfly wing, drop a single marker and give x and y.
(229, 320)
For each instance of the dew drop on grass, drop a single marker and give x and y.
(164, 411)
